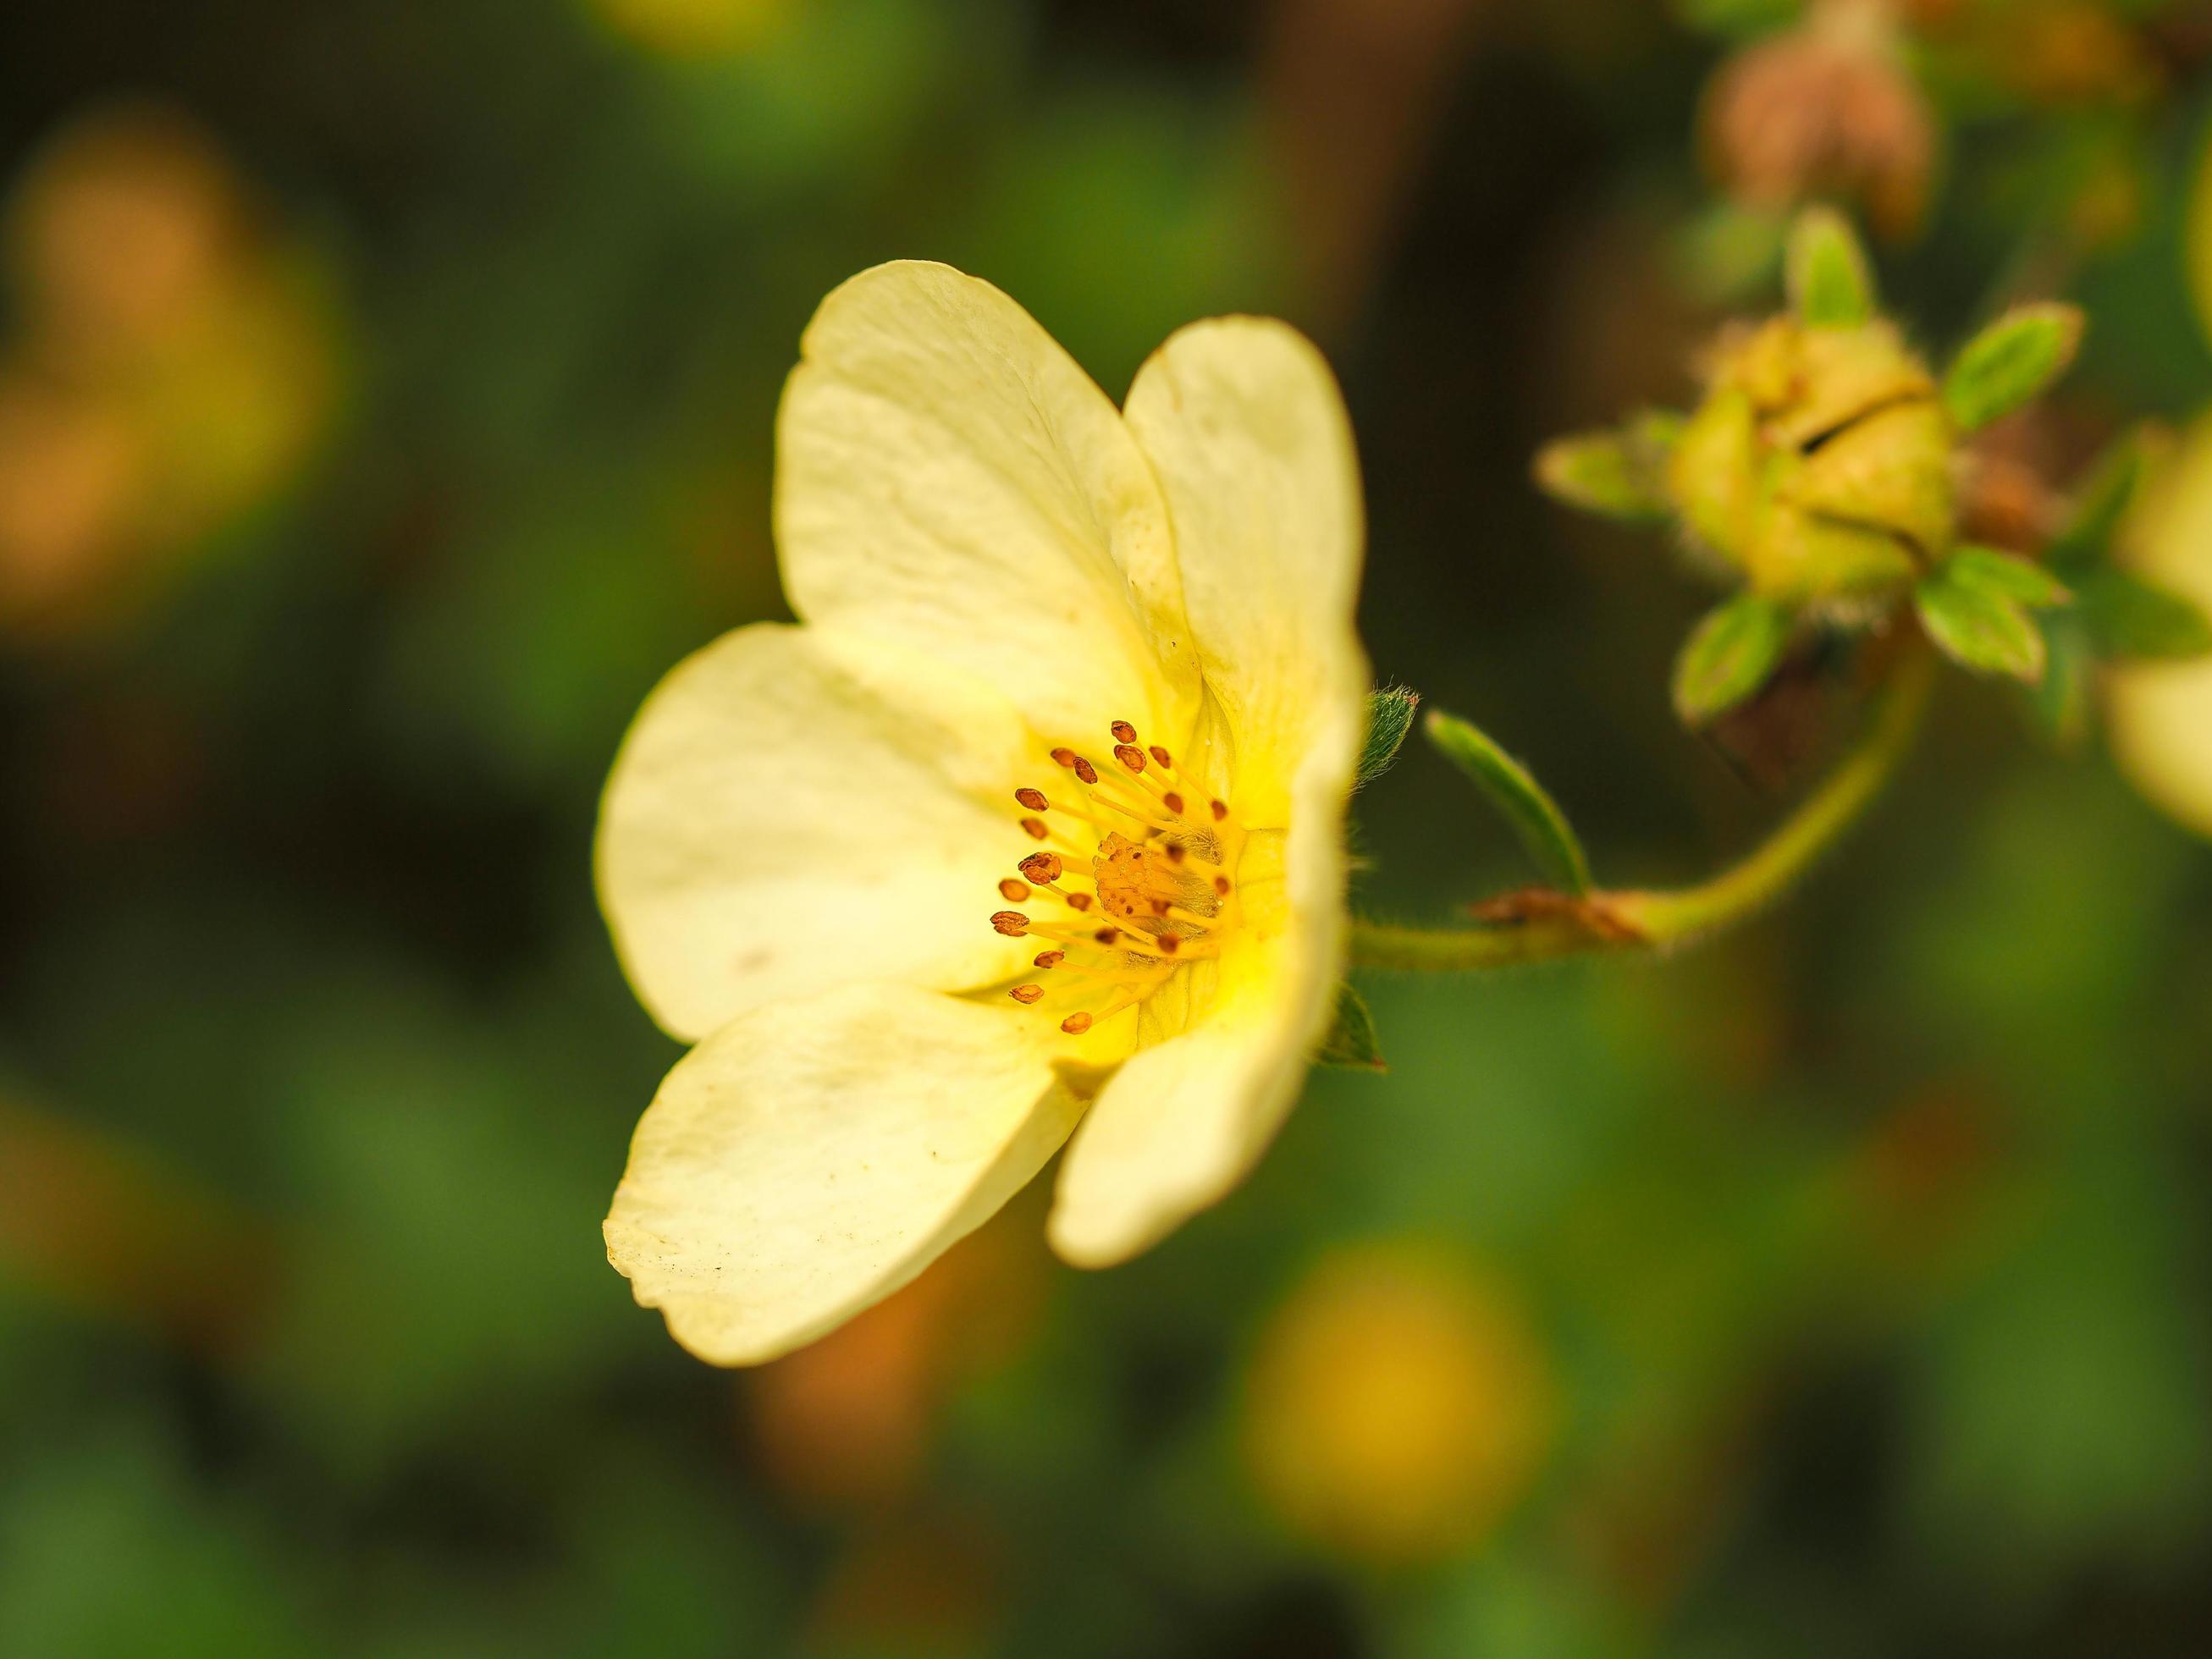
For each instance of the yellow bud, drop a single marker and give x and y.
(1818, 466)
(1891, 468)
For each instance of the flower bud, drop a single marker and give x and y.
(1819, 465)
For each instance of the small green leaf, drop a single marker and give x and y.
(2103, 499)
(2059, 703)
(2010, 362)
(1351, 1039)
(1390, 717)
(2007, 576)
(1986, 632)
(1730, 655)
(1830, 281)
(1535, 817)
(2129, 617)
(1616, 475)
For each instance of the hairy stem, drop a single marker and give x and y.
(1660, 919)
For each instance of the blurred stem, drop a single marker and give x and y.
(1545, 927)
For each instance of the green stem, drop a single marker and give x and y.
(1657, 920)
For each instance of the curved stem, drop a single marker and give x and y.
(1657, 920)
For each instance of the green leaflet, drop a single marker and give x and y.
(1986, 632)
(1535, 817)
(1390, 717)
(1350, 1039)
(2011, 364)
(1730, 655)
(1830, 281)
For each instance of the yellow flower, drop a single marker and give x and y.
(2161, 712)
(1399, 1403)
(1037, 819)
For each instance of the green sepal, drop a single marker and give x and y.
(1620, 475)
(1977, 629)
(2006, 576)
(1830, 281)
(2011, 364)
(1390, 717)
(2103, 499)
(1350, 1039)
(2131, 618)
(1730, 655)
(1535, 817)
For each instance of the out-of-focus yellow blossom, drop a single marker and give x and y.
(694, 28)
(1038, 818)
(1398, 1405)
(167, 369)
(2161, 712)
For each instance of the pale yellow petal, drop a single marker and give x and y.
(1184, 1122)
(947, 477)
(1247, 433)
(2161, 712)
(791, 812)
(807, 1160)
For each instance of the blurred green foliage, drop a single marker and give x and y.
(1864, 1256)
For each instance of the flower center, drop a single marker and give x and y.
(1139, 864)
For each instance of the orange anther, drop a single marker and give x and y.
(1012, 923)
(1026, 993)
(1042, 868)
(1012, 891)
(1035, 827)
(1034, 800)
(1124, 732)
(1049, 958)
(1160, 757)
(1076, 1024)
(1130, 755)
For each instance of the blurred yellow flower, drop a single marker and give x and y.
(694, 28)
(1039, 817)
(167, 370)
(1398, 1405)
(2161, 712)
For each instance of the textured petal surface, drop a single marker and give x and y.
(947, 477)
(2161, 712)
(807, 1160)
(1247, 432)
(1184, 1122)
(791, 812)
